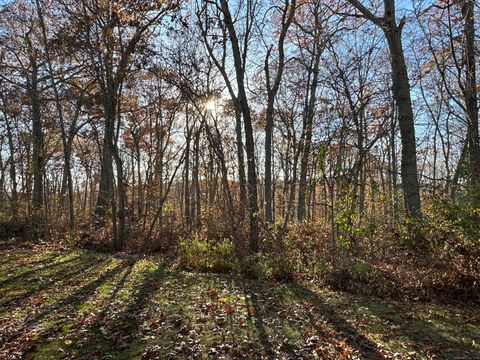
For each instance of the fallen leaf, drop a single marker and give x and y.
(212, 292)
(37, 301)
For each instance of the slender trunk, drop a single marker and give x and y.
(159, 156)
(401, 93)
(252, 177)
(12, 169)
(105, 190)
(188, 217)
(241, 161)
(66, 150)
(247, 121)
(27, 182)
(272, 89)
(3, 188)
(393, 156)
(470, 93)
(121, 236)
(67, 183)
(268, 158)
(37, 140)
(293, 186)
(307, 134)
(140, 195)
(196, 181)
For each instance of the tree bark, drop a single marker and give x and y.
(105, 190)
(241, 163)
(37, 141)
(66, 149)
(306, 143)
(470, 93)
(12, 169)
(401, 94)
(247, 121)
(272, 89)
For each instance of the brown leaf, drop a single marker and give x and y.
(212, 292)
(37, 302)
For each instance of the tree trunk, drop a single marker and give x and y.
(307, 132)
(37, 141)
(401, 93)
(241, 162)
(247, 121)
(66, 149)
(188, 217)
(470, 93)
(268, 159)
(196, 182)
(272, 90)
(140, 193)
(105, 190)
(121, 236)
(13, 173)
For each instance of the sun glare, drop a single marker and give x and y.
(210, 105)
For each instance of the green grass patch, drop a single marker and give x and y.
(82, 304)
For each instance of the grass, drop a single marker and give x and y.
(84, 305)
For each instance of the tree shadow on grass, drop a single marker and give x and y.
(58, 310)
(16, 258)
(64, 272)
(255, 312)
(120, 284)
(424, 335)
(111, 298)
(26, 274)
(122, 334)
(271, 304)
(8, 258)
(359, 342)
(83, 293)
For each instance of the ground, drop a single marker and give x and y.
(78, 304)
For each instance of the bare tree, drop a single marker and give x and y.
(401, 93)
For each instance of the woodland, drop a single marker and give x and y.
(239, 179)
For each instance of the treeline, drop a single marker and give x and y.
(139, 118)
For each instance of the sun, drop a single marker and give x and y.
(210, 105)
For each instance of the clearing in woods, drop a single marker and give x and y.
(82, 304)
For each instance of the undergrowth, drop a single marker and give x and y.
(433, 258)
(436, 258)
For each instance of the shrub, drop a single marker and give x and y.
(359, 277)
(267, 266)
(248, 267)
(197, 253)
(445, 223)
(307, 248)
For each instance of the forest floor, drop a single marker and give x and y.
(66, 303)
